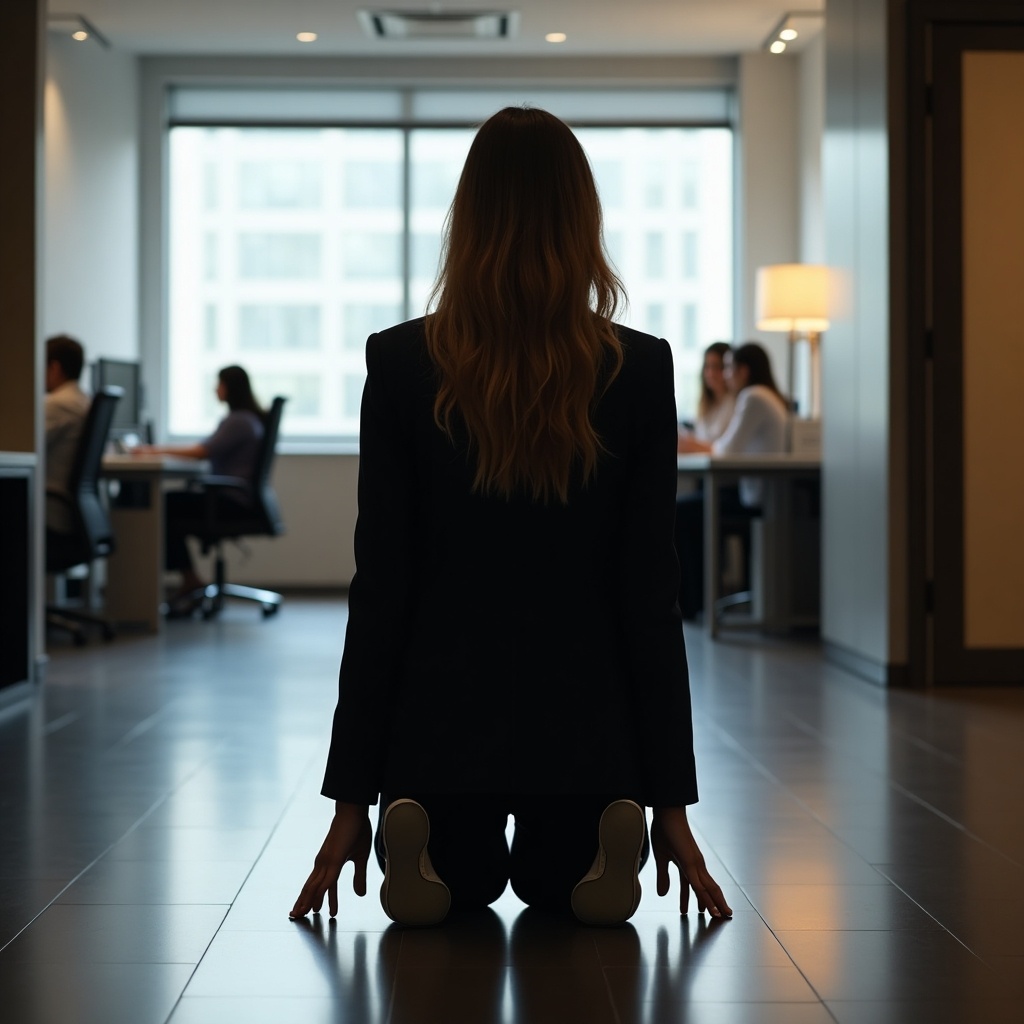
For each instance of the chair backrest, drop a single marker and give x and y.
(266, 499)
(93, 523)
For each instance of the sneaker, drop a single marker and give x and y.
(610, 892)
(412, 893)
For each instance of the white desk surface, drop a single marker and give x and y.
(171, 465)
(18, 460)
(698, 462)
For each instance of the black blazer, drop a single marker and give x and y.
(501, 646)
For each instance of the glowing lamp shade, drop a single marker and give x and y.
(792, 297)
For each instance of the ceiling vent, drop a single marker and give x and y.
(435, 24)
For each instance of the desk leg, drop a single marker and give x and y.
(135, 569)
(775, 559)
(711, 567)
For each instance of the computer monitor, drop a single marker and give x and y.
(126, 375)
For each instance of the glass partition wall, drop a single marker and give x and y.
(289, 245)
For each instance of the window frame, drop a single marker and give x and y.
(341, 443)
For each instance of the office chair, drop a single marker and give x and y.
(262, 519)
(91, 537)
(738, 524)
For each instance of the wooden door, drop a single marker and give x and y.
(976, 285)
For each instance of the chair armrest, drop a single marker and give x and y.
(212, 482)
(60, 496)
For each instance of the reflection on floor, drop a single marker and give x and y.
(160, 810)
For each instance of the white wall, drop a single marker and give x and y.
(91, 252)
(862, 612)
(811, 128)
(768, 186)
(318, 505)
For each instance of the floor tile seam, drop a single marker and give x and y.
(952, 821)
(139, 729)
(900, 788)
(195, 966)
(946, 929)
(817, 734)
(59, 723)
(763, 769)
(616, 1016)
(797, 967)
(771, 930)
(392, 990)
(929, 747)
(36, 962)
(892, 783)
(220, 927)
(134, 827)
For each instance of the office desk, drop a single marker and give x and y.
(134, 591)
(791, 555)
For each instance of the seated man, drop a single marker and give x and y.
(66, 407)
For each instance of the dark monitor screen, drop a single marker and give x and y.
(126, 375)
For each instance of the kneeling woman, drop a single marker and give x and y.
(513, 643)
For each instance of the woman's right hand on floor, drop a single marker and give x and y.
(348, 839)
(672, 842)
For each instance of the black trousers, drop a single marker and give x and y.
(185, 516)
(690, 543)
(554, 846)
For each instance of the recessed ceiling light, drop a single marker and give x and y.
(306, 37)
(802, 25)
(81, 35)
(555, 37)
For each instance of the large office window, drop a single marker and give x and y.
(288, 246)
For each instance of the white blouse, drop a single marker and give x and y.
(757, 427)
(711, 427)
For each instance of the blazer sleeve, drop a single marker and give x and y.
(381, 592)
(649, 575)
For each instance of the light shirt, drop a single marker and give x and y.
(757, 427)
(65, 409)
(711, 427)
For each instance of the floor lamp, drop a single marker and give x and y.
(793, 297)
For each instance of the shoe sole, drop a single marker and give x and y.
(610, 892)
(412, 893)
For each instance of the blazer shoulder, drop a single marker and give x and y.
(645, 356)
(398, 348)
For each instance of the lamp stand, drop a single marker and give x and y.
(812, 340)
(794, 337)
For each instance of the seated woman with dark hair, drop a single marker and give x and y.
(757, 427)
(232, 450)
(716, 403)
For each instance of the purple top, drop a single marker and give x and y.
(233, 448)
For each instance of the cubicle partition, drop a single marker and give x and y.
(17, 472)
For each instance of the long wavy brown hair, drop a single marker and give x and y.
(521, 332)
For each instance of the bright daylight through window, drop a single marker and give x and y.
(288, 246)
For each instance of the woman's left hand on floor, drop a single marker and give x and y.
(348, 839)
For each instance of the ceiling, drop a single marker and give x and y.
(624, 28)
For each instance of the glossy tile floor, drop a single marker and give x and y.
(160, 810)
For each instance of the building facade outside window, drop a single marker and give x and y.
(289, 246)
